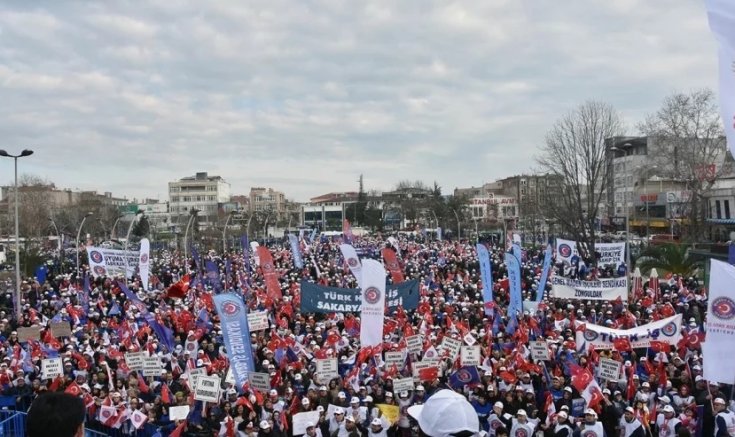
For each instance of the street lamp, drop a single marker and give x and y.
(114, 225)
(627, 218)
(25, 152)
(459, 234)
(265, 225)
(130, 228)
(224, 232)
(193, 214)
(79, 232)
(58, 243)
(247, 227)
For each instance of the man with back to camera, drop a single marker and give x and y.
(56, 414)
(446, 414)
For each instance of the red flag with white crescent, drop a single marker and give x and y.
(391, 264)
(269, 273)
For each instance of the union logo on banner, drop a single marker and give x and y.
(464, 376)
(96, 256)
(590, 335)
(670, 329)
(565, 250)
(143, 258)
(723, 308)
(352, 262)
(100, 271)
(230, 308)
(372, 295)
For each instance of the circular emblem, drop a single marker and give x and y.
(723, 308)
(372, 295)
(101, 271)
(464, 376)
(521, 433)
(144, 258)
(352, 262)
(393, 265)
(190, 346)
(106, 414)
(565, 250)
(669, 329)
(230, 308)
(495, 424)
(267, 266)
(590, 335)
(96, 256)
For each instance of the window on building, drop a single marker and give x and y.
(174, 198)
(187, 198)
(727, 208)
(718, 209)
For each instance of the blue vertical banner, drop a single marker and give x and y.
(544, 274)
(486, 273)
(298, 260)
(517, 251)
(236, 333)
(514, 279)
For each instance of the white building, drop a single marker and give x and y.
(158, 215)
(201, 192)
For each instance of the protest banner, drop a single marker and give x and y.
(390, 412)
(450, 347)
(260, 381)
(258, 321)
(112, 262)
(539, 350)
(178, 413)
(394, 358)
(403, 384)
(609, 253)
(151, 366)
(236, 334)
(29, 333)
(415, 344)
(470, 356)
(326, 370)
(666, 330)
(321, 299)
(601, 289)
(134, 360)
(51, 368)
(718, 363)
(60, 329)
(372, 298)
(301, 419)
(609, 369)
(207, 389)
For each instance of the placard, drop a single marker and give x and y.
(326, 370)
(260, 381)
(51, 368)
(258, 321)
(415, 344)
(539, 350)
(578, 407)
(151, 366)
(451, 347)
(609, 369)
(421, 365)
(394, 358)
(301, 419)
(134, 360)
(60, 329)
(207, 389)
(230, 378)
(470, 356)
(178, 413)
(29, 333)
(403, 384)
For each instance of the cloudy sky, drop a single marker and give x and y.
(303, 96)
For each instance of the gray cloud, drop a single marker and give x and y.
(304, 96)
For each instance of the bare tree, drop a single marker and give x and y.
(575, 152)
(691, 149)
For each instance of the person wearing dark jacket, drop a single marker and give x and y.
(22, 392)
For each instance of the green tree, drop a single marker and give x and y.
(669, 258)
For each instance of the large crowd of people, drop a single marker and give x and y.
(660, 392)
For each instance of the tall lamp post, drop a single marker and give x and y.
(3, 153)
(193, 213)
(114, 225)
(265, 226)
(130, 228)
(224, 232)
(459, 230)
(79, 232)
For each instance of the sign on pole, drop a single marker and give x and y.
(609, 369)
(394, 358)
(452, 346)
(51, 368)
(326, 370)
(539, 350)
(258, 321)
(260, 381)
(403, 384)
(151, 366)
(301, 419)
(415, 344)
(207, 389)
(60, 329)
(134, 360)
(470, 356)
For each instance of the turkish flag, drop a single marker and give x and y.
(621, 344)
(180, 288)
(695, 339)
(428, 374)
(138, 419)
(659, 346)
(508, 377)
(581, 377)
(73, 389)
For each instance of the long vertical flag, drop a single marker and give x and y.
(353, 261)
(721, 14)
(486, 273)
(391, 262)
(373, 303)
(144, 262)
(544, 274)
(164, 333)
(716, 349)
(269, 273)
(514, 280)
(236, 332)
(347, 230)
(245, 252)
(298, 260)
